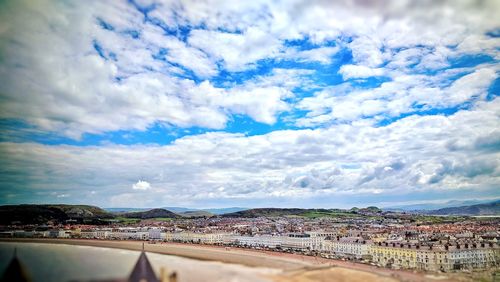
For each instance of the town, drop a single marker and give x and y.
(397, 241)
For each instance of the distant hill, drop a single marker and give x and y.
(224, 210)
(311, 213)
(154, 213)
(122, 210)
(193, 214)
(266, 212)
(38, 214)
(436, 206)
(371, 209)
(492, 208)
(216, 211)
(179, 210)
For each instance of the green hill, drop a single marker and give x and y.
(154, 213)
(194, 214)
(492, 208)
(277, 212)
(38, 214)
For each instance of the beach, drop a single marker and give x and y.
(47, 262)
(292, 267)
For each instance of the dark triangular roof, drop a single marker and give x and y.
(143, 271)
(15, 271)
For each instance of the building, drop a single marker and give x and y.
(433, 258)
(88, 234)
(258, 241)
(436, 257)
(103, 233)
(197, 238)
(302, 242)
(394, 255)
(348, 247)
(154, 234)
(125, 234)
(472, 256)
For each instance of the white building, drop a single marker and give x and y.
(103, 233)
(154, 234)
(88, 234)
(125, 234)
(199, 238)
(302, 242)
(473, 256)
(261, 241)
(348, 247)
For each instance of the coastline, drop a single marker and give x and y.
(294, 267)
(199, 252)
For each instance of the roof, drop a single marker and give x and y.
(15, 271)
(143, 271)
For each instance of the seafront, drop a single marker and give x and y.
(293, 267)
(211, 253)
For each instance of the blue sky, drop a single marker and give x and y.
(264, 103)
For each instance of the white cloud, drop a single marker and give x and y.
(354, 71)
(366, 51)
(417, 153)
(141, 185)
(66, 87)
(468, 86)
(346, 103)
(179, 52)
(81, 93)
(322, 55)
(53, 78)
(237, 51)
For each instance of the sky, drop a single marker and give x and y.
(255, 103)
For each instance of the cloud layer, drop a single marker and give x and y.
(418, 154)
(261, 102)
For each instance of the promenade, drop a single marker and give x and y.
(294, 267)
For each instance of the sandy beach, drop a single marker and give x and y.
(293, 267)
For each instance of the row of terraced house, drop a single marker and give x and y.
(434, 256)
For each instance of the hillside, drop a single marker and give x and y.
(154, 213)
(224, 210)
(277, 212)
(216, 211)
(193, 214)
(435, 206)
(36, 214)
(265, 212)
(492, 208)
(124, 210)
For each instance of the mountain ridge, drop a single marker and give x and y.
(153, 213)
(179, 210)
(61, 213)
(428, 206)
(32, 214)
(492, 208)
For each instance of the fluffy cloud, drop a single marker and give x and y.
(100, 67)
(415, 154)
(322, 55)
(126, 76)
(141, 185)
(404, 94)
(363, 76)
(237, 51)
(354, 71)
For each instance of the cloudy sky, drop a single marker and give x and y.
(249, 103)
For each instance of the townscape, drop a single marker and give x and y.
(370, 236)
(250, 141)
